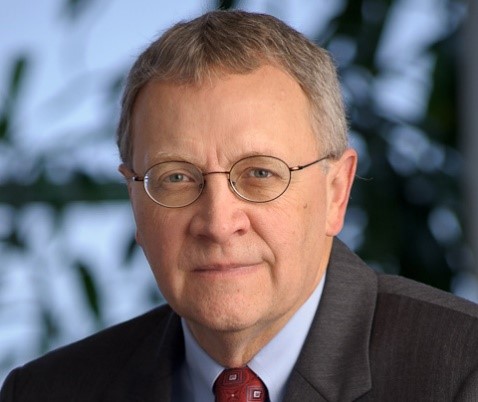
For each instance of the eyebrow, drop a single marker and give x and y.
(166, 157)
(174, 156)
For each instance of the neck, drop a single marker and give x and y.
(233, 349)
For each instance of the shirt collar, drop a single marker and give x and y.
(273, 364)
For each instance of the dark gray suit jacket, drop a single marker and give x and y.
(374, 338)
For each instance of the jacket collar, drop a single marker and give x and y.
(334, 362)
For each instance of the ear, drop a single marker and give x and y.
(127, 174)
(339, 184)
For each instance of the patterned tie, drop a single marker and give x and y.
(239, 385)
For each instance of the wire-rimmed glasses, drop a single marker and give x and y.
(258, 178)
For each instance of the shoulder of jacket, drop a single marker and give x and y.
(419, 293)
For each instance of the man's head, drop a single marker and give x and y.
(237, 42)
(235, 267)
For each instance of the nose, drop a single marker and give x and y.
(220, 214)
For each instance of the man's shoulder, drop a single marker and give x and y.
(418, 295)
(85, 367)
(422, 336)
(348, 270)
(116, 339)
(427, 322)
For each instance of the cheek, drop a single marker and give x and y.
(304, 214)
(158, 236)
(162, 242)
(281, 229)
(299, 226)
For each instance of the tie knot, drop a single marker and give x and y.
(241, 385)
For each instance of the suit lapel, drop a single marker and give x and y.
(334, 362)
(148, 375)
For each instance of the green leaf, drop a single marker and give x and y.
(226, 4)
(17, 77)
(4, 125)
(130, 249)
(18, 74)
(90, 289)
(50, 329)
(75, 8)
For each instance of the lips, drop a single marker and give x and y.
(225, 267)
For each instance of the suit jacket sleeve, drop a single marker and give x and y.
(7, 393)
(468, 391)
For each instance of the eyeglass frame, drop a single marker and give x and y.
(137, 178)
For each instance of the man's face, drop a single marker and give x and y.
(223, 263)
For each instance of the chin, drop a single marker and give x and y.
(223, 318)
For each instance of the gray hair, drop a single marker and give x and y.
(238, 42)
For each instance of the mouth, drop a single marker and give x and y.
(234, 268)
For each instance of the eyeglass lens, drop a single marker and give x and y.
(255, 178)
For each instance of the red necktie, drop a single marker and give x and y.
(239, 385)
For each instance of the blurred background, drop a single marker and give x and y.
(68, 262)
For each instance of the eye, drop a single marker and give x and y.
(172, 176)
(260, 169)
(176, 178)
(259, 173)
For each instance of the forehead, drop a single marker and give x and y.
(229, 116)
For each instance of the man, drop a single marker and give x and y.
(233, 143)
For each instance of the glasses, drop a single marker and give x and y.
(176, 184)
